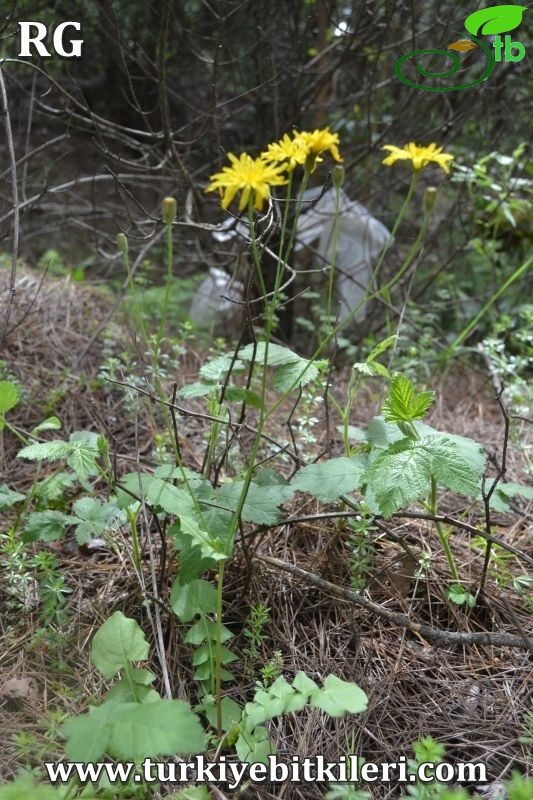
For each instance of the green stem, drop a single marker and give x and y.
(443, 535)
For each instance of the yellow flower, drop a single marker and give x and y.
(316, 142)
(287, 151)
(419, 155)
(252, 177)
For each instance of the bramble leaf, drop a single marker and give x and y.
(329, 480)
(402, 403)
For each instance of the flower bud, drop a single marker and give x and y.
(122, 242)
(169, 207)
(337, 176)
(430, 195)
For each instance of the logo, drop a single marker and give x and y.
(491, 21)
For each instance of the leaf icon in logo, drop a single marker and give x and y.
(462, 45)
(495, 19)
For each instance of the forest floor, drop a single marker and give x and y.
(472, 697)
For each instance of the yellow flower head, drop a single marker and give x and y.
(316, 142)
(287, 151)
(419, 156)
(251, 176)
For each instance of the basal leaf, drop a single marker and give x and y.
(8, 497)
(24, 787)
(164, 727)
(46, 526)
(339, 697)
(328, 480)
(119, 641)
(495, 19)
(9, 396)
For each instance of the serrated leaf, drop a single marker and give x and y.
(278, 355)
(119, 641)
(9, 396)
(402, 403)
(46, 526)
(216, 369)
(457, 466)
(329, 480)
(297, 373)
(93, 518)
(398, 476)
(339, 697)
(48, 424)
(197, 389)
(8, 497)
(514, 489)
(495, 19)
(234, 394)
(46, 451)
(380, 348)
(197, 597)
(82, 459)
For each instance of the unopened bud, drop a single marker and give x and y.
(169, 207)
(122, 242)
(337, 176)
(430, 195)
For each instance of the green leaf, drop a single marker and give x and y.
(328, 480)
(234, 394)
(254, 746)
(231, 712)
(297, 373)
(9, 396)
(46, 451)
(261, 504)
(402, 403)
(48, 424)
(46, 526)
(156, 491)
(24, 787)
(197, 389)
(197, 597)
(8, 497)
(190, 793)
(339, 697)
(380, 348)
(398, 476)
(134, 730)
(217, 369)
(93, 518)
(119, 641)
(456, 465)
(495, 19)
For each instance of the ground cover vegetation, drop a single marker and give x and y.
(309, 536)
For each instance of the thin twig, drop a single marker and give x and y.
(15, 197)
(396, 618)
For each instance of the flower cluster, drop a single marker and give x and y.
(254, 177)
